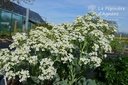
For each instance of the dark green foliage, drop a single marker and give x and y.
(113, 71)
(83, 81)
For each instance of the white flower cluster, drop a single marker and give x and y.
(48, 71)
(18, 38)
(85, 60)
(96, 61)
(27, 48)
(42, 46)
(56, 40)
(23, 75)
(92, 59)
(68, 57)
(11, 61)
(94, 35)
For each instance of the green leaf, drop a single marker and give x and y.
(35, 79)
(91, 82)
(82, 81)
(64, 82)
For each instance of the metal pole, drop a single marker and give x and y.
(120, 36)
(27, 18)
(10, 25)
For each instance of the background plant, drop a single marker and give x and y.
(113, 71)
(118, 46)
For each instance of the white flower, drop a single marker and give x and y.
(68, 57)
(95, 47)
(32, 59)
(96, 60)
(85, 60)
(93, 54)
(105, 55)
(48, 71)
(23, 75)
(10, 74)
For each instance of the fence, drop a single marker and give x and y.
(11, 22)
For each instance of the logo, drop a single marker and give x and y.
(91, 7)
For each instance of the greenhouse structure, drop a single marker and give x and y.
(15, 17)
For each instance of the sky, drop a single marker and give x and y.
(59, 11)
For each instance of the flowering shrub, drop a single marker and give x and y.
(61, 54)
